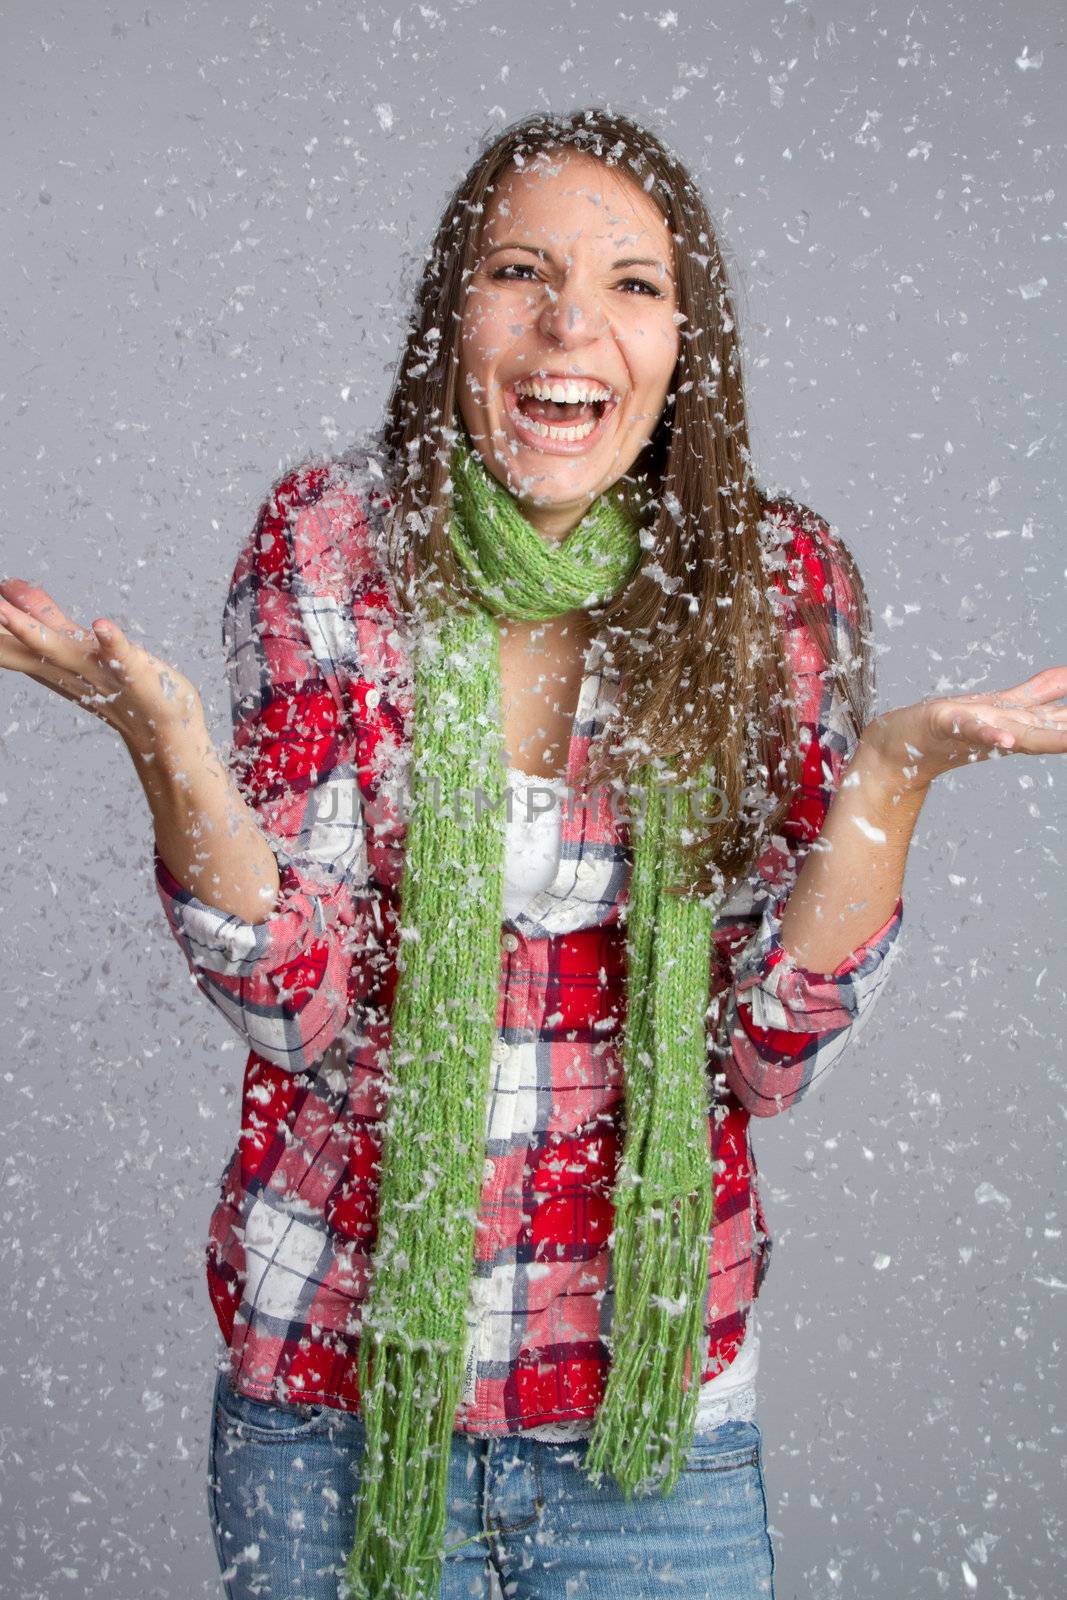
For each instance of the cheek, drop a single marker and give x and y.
(654, 361)
(478, 346)
(668, 348)
(652, 346)
(485, 320)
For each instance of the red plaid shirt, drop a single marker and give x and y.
(322, 696)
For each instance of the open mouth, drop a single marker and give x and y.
(568, 413)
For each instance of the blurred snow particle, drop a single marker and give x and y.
(881, 1261)
(985, 1192)
(669, 19)
(1033, 291)
(968, 1576)
(384, 112)
(869, 831)
(1026, 60)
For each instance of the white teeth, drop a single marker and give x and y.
(582, 431)
(571, 393)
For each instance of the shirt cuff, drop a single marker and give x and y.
(781, 992)
(226, 943)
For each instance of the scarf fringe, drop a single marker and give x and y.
(402, 1508)
(644, 1425)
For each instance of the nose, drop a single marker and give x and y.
(571, 316)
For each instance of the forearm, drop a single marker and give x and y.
(854, 872)
(207, 835)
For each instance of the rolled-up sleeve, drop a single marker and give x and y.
(785, 1026)
(286, 983)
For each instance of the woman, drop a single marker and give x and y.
(492, 1213)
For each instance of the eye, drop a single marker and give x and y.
(513, 266)
(644, 284)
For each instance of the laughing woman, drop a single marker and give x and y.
(557, 841)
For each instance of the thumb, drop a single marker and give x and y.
(112, 640)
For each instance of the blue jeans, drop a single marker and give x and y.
(283, 1479)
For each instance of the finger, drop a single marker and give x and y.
(1031, 734)
(1045, 686)
(114, 648)
(19, 657)
(1041, 742)
(1021, 716)
(47, 644)
(37, 602)
(1023, 733)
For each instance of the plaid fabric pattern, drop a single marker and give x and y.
(322, 697)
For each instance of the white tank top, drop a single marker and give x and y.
(531, 861)
(534, 831)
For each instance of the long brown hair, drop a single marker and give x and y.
(704, 680)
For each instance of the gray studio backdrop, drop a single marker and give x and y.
(213, 222)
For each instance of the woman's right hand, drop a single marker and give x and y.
(98, 668)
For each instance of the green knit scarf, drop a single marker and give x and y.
(444, 1023)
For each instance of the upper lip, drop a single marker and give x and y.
(563, 377)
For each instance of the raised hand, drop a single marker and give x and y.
(98, 668)
(914, 744)
(849, 885)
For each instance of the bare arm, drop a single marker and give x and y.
(207, 835)
(853, 874)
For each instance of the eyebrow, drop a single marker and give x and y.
(627, 261)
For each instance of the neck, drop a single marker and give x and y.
(554, 522)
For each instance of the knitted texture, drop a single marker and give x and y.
(443, 1026)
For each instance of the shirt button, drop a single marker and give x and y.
(371, 698)
(488, 1169)
(501, 1050)
(510, 943)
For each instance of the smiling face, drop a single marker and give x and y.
(569, 339)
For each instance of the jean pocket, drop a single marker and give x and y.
(730, 1447)
(268, 1419)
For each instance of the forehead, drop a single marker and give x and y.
(567, 196)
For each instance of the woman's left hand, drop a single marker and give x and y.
(913, 745)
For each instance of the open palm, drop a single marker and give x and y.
(919, 742)
(103, 671)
